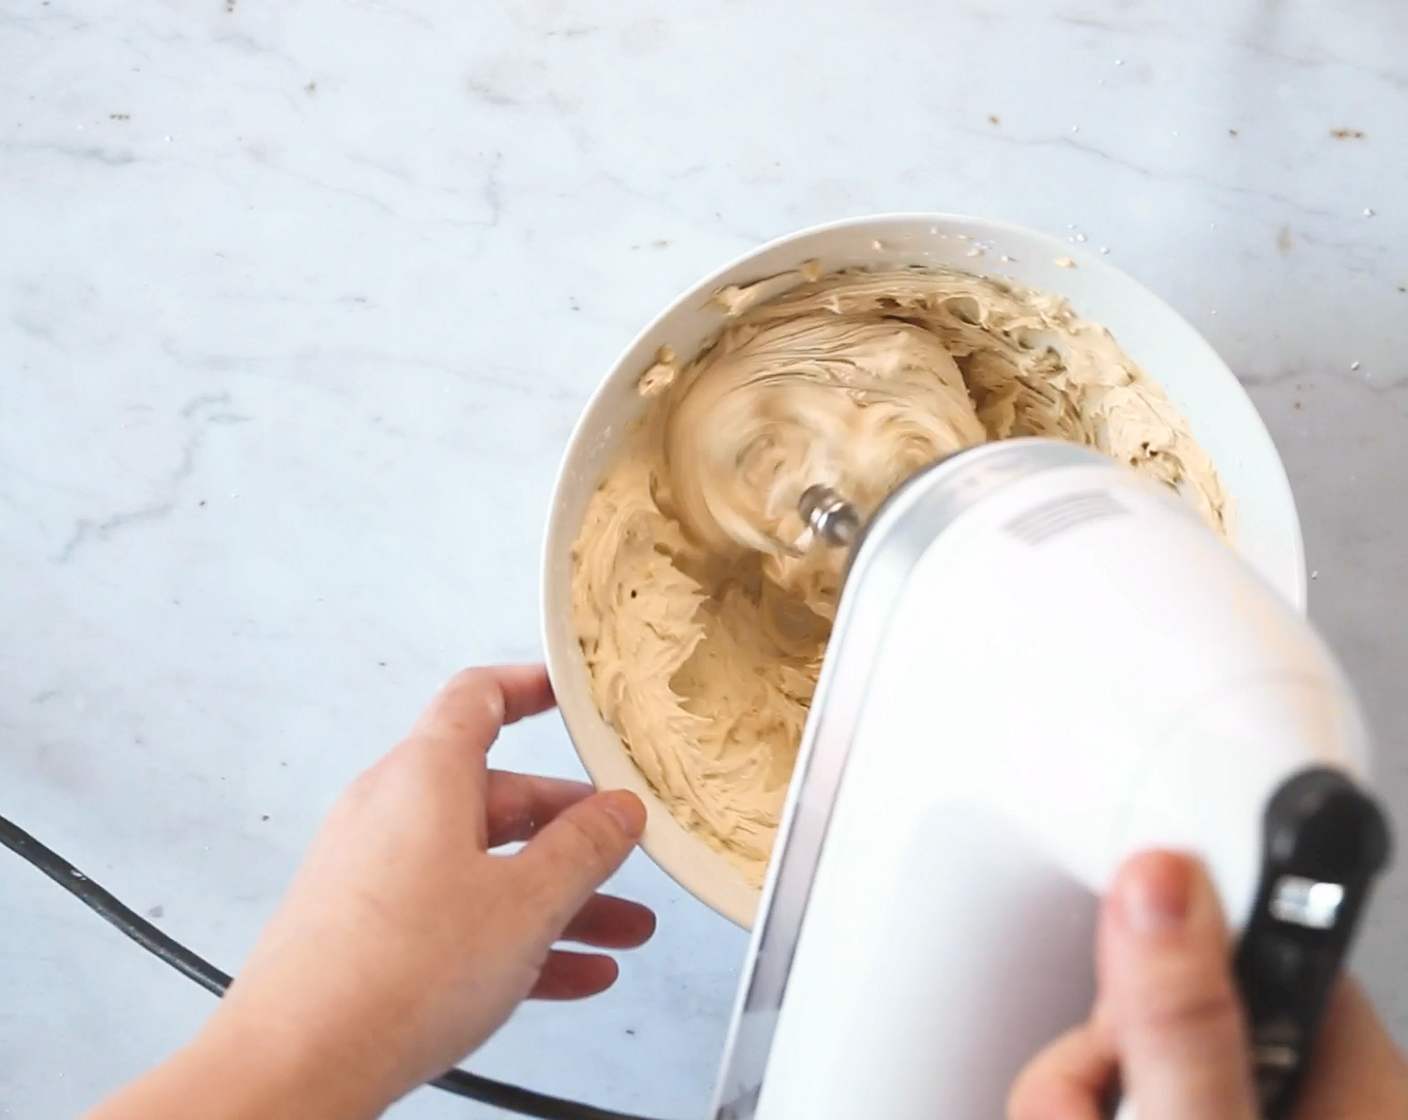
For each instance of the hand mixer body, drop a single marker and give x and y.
(1041, 664)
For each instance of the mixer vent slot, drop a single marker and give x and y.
(1051, 519)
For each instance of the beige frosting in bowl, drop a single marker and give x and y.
(701, 611)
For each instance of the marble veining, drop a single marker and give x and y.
(299, 301)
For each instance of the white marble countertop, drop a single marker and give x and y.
(299, 301)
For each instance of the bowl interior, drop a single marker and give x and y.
(1221, 415)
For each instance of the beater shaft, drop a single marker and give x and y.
(829, 515)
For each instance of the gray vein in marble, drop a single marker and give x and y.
(361, 196)
(586, 148)
(1263, 380)
(193, 406)
(1165, 30)
(490, 190)
(35, 330)
(90, 153)
(1161, 175)
(1378, 386)
(396, 9)
(216, 363)
(1398, 81)
(573, 32)
(691, 220)
(482, 90)
(86, 530)
(1365, 257)
(1153, 27)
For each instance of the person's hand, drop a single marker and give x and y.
(403, 943)
(1168, 1028)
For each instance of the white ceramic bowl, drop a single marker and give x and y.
(1170, 350)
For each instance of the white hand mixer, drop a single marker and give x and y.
(1041, 664)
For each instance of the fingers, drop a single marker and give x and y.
(568, 975)
(1070, 1080)
(517, 806)
(526, 691)
(608, 922)
(1169, 1011)
(472, 707)
(1166, 984)
(605, 922)
(565, 863)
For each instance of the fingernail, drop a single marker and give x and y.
(625, 809)
(1155, 893)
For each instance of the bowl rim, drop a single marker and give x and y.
(708, 890)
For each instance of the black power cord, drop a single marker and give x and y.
(127, 921)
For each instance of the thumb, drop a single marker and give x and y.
(582, 848)
(1166, 989)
